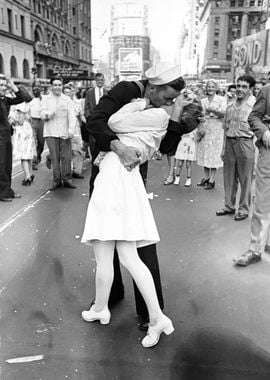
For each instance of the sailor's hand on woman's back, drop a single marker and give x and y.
(128, 155)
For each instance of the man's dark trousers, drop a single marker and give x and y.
(149, 257)
(5, 168)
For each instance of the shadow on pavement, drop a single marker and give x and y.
(220, 354)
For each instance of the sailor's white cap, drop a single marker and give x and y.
(163, 73)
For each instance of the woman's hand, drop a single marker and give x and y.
(10, 85)
(178, 108)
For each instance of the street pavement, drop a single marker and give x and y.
(221, 313)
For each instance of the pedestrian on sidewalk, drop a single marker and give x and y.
(259, 120)
(92, 97)
(191, 110)
(15, 96)
(163, 85)
(123, 216)
(36, 122)
(185, 153)
(238, 152)
(24, 147)
(209, 147)
(59, 117)
(186, 149)
(77, 154)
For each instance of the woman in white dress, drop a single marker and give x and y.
(185, 153)
(210, 145)
(123, 217)
(24, 142)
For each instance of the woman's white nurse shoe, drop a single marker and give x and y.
(153, 334)
(102, 316)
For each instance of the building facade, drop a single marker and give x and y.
(129, 41)
(221, 23)
(61, 32)
(40, 38)
(189, 38)
(16, 45)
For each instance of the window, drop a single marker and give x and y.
(1, 64)
(240, 3)
(218, 3)
(22, 26)
(74, 29)
(73, 11)
(13, 67)
(235, 19)
(10, 21)
(2, 14)
(233, 3)
(216, 44)
(252, 3)
(26, 73)
(217, 20)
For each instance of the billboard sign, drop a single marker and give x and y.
(251, 52)
(130, 60)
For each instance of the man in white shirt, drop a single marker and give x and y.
(76, 141)
(59, 117)
(92, 98)
(36, 122)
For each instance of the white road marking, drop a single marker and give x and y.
(21, 212)
(25, 359)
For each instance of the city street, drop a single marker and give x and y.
(221, 313)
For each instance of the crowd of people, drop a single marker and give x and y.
(120, 130)
(31, 120)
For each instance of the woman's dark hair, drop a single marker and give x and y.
(177, 84)
(56, 78)
(247, 78)
(231, 86)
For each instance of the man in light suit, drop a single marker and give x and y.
(92, 98)
(259, 120)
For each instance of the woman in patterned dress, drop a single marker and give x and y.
(210, 145)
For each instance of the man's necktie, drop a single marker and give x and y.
(99, 93)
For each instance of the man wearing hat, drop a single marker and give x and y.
(162, 87)
(7, 194)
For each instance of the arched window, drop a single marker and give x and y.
(13, 67)
(68, 50)
(2, 71)
(55, 43)
(26, 72)
(38, 35)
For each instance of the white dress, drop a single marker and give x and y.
(186, 149)
(119, 208)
